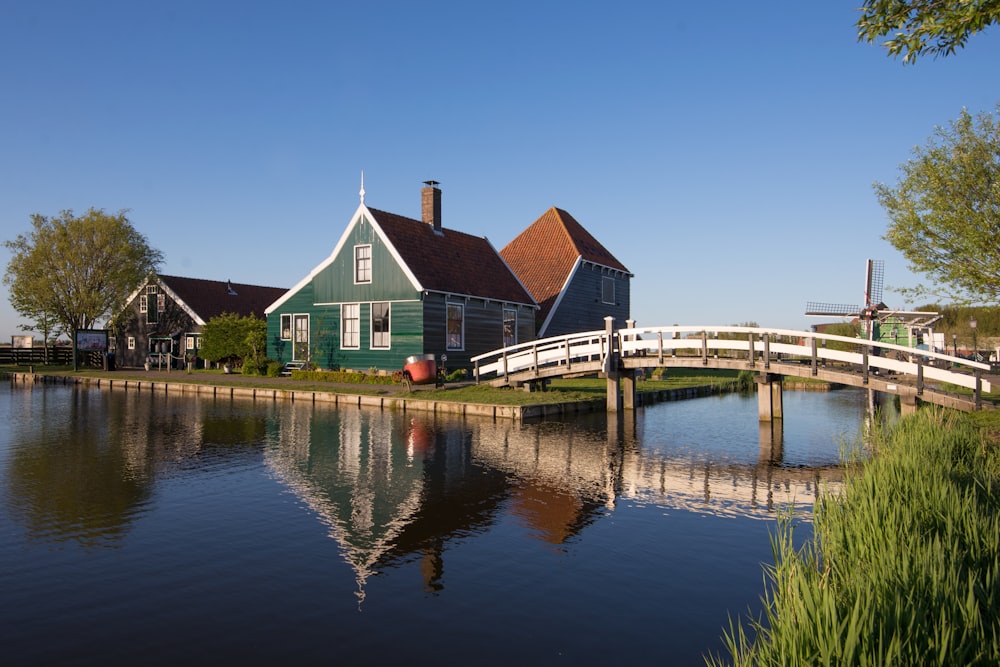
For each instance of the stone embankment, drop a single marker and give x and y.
(275, 389)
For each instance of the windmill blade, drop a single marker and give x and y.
(874, 277)
(832, 309)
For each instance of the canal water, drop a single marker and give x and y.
(164, 529)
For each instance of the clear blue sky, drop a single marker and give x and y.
(724, 152)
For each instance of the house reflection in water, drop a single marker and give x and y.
(393, 486)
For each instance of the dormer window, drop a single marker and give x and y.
(362, 264)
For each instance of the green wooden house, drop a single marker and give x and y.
(394, 287)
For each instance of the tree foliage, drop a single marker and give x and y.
(919, 27)
(944, 213)
(234, 339)
(77, 270)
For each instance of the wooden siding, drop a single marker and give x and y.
(299, 303)
(582, 307)
(173, 321)
(483, 327)
(335, 283)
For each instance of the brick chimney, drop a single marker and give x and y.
(430, 205)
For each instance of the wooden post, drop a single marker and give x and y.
(614, 402)
(769, 405)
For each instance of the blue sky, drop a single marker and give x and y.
(724, 152)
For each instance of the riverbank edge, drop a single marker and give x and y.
(930, 483)
(523, 413)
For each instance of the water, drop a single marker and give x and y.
(140, 528)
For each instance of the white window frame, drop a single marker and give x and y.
(350, 339)
(385, 337)
(607, 285)
(456, 340)
(131, 342)
(285, 326)
(143, 303)
(305, 332)
(362, 264)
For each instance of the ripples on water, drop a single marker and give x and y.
(164, 528)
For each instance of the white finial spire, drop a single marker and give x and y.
(362, 193)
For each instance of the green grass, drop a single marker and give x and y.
(904, 565)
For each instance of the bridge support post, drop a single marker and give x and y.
(769, 397)
(628, 389)
(611, 366)
(908, 403)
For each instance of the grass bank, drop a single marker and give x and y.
(904, 564)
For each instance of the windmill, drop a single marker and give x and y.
(874, 312)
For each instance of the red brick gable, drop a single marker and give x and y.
(544, 254)
(209, 298)
(451, 261)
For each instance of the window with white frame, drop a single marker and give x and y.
(608, 290)
(350, 326)
(362, 264)
(131, 342)
(509, 327)
(456, 326)
(380, 325)
(286, 327)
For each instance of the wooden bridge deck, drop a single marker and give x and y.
(873, 365)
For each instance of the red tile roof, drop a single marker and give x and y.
(209, 298)
(544, 254)
(451, 261)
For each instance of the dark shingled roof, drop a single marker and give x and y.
(451, 261)
(544, 254)
(209, 298)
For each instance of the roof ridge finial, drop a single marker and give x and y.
(362, 193)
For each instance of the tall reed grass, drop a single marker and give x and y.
(902, 568)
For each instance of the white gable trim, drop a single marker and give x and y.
(362, 213)
(169, 292)
(180, 302)
(559, 297)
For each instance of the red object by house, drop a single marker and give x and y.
(422, 368)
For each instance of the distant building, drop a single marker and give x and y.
(574, 279)
(163, 319)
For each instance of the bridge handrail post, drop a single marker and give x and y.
(979, 389)
(568, 360)
(920, 375)
(815, 364)
(767, 351)
(704, 348)
(534, 357)
(864, 363)
(475, 370)
(751, 350)
(505, 362)
(659, 345)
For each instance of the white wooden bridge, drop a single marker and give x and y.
(619, 355)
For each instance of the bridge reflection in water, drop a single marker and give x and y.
(395, 486)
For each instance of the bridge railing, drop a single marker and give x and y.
(755, 344)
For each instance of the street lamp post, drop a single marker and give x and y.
(975, 347)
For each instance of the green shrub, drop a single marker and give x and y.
(274, 368)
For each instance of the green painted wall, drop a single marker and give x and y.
(335, 284)
(416, 322)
